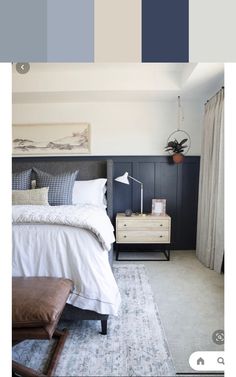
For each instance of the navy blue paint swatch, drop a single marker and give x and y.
(165, 31)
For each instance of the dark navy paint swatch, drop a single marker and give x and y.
(165, 31)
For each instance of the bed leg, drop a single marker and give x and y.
(104, 327)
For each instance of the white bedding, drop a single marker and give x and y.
(47, 249)
(85, 216)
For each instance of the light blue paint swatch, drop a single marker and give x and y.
(23, 30)
(70, 31)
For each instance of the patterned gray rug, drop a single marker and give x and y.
(135, 345)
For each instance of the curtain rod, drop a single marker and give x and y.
(214, 95)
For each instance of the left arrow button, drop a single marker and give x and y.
(22, 67)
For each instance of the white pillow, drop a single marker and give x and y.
(30, 197)
(90, 192)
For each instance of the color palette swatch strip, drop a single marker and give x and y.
(116, 31)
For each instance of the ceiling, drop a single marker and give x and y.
(86, 82)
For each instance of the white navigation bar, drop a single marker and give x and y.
(207, 361)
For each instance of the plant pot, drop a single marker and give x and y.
(178, 158)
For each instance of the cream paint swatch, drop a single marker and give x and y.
(117, 30)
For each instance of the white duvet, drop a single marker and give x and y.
(88, 217)
(72, 242)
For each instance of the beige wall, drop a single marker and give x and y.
(132, 108)
(120, 128)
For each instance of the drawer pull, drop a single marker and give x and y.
(161, 236)
(125, 236)
(125, 224)
(161, 224)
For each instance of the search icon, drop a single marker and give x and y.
(220, 360)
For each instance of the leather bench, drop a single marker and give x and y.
(37, 304)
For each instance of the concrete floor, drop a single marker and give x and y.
(190, 298)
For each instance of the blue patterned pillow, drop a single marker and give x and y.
(21, 180)
(60, 186)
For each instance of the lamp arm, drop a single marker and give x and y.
(141, 197)
(134, 179)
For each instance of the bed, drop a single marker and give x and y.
(69, 241)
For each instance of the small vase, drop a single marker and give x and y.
(178, 158)
(128, 212)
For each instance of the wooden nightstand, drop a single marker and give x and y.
(147, 229)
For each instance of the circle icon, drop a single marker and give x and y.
(22, 68)
(220, 360)
(218, 337)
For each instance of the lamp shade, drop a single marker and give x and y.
(123, 178)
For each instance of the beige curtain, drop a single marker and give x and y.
(210, 226)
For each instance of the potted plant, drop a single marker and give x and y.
(177, 149)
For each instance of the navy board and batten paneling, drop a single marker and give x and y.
(162, 179)
(188, 203)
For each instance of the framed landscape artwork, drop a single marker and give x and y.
(50, 139)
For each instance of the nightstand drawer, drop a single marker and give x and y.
(143, 236)
(145, 224)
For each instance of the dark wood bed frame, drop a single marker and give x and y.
(88, 169)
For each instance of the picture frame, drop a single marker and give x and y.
(158, 207)
(58, 139)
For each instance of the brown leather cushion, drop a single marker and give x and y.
(38, 301)
(42, 332)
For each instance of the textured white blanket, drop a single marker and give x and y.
(87, 217)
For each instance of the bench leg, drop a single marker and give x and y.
(104, 327)
(22, 370)
(61, 336)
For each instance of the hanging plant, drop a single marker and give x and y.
(177, 149)
(174, 147)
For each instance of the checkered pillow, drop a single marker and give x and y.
(60, 186)
(21, 180)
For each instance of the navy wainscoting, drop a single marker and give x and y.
(162, 179)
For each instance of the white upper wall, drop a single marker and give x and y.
(120, 128)
(60, 77)
(132, 108)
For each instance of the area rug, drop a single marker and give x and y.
(135, 345)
